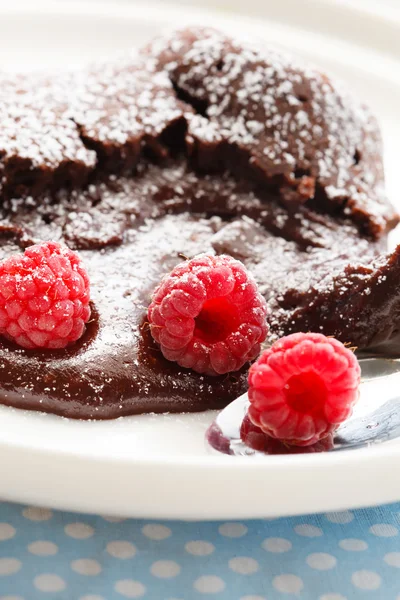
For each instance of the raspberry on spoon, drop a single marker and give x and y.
(208, 315)
(44, 297)
(302, 388)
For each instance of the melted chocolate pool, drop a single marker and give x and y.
(116, 368)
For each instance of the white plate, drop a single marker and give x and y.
(159, 466)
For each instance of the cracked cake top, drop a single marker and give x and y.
(254, 110)
(284, 121)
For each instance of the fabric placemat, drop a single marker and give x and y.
(47, 554)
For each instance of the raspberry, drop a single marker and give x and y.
(208, 315)
(303, 387)
(44, 297)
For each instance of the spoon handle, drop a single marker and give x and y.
(375, 366)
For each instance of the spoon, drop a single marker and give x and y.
(375, 419)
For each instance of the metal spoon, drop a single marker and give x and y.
(376, 416)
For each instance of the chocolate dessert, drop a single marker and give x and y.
(197, 144)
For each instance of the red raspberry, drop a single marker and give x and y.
(303, 387)
(208, 315)
(44, 297)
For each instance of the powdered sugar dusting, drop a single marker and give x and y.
(125, 105)
(290, 119)
(39, 143)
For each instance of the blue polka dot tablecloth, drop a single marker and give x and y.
(46, 554)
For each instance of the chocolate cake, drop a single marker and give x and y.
(198, 143)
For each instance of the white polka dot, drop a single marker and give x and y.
(252, 598)
(332, 597)
(199, 548)
(288, 584)
(86, 566)
(79, 531)
(49, 583)
(34, 513)
(165, 569)
(277, 545)
(130, 588)
(156, 532)
(243, 565)
(366, 580)
(9, 566)
(341, 518)
(308, 530)
(209, 584)
(232, 530)
(353, 545)
(383, 530)
(121, 549)
(43, 548)
(7, 532)
(392, 559)
(321, 561)
(92, 597)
